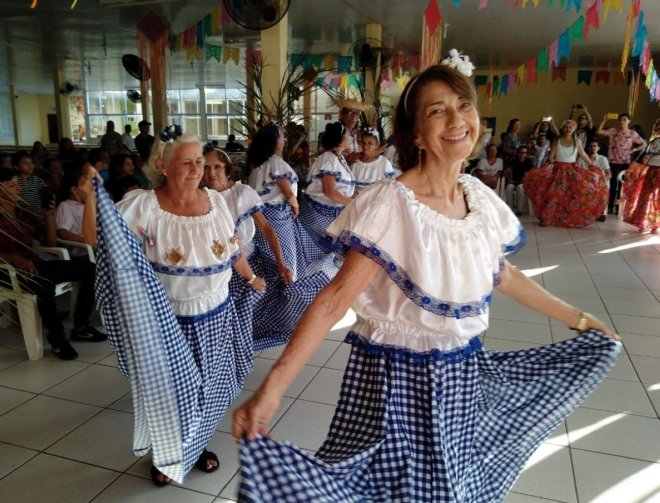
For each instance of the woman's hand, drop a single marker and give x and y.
(295, 208)
(259, 284)
(285, 274)
(251, 419)
(596, 324)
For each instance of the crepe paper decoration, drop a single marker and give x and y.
(504, 85)
(482, 4)
(496, 86)
(640, 35)
(611, 4)
(402, 81)
(431, 35)
(649, 76)
(602, 76)
(630, 19)
(480, 80)
(584, 76)
(564, 47)
(536, 3)
(549, 4)
(576, 31)
(513, 80)
(314, 61)
(34, 4)
(524, 3)
(252, 56)
(489, 91)
(559, 73)
(591, 19)
(232, 53)
(552, 53)
(73, 5)
(213, 52)
(521, 74)
(634, 93)
(645, 60)
(200, 34)
(531, 76)
(517, 3)
(576, 3)
(542, 60)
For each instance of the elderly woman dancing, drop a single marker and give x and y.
(163, 288)
(425, 412)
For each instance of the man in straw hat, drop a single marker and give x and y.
(349, 111)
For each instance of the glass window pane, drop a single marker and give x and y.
(217, 128)
(190, 106)
(236, 107)
(191, 126)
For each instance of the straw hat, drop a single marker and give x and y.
(353, 104)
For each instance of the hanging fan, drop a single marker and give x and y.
(256, 14)
(68, 88)
(369, 52)
(133, 96)
(136, 66)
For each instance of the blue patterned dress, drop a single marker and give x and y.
(425, 412)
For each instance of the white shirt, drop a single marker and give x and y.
(368, 173)
(243, 202)
(566, 154)
(490, 169)
(437, 274)
(129, 143)
(192, 256)
(600, 161)
(264, 179)
(69, 217)
(328, 163)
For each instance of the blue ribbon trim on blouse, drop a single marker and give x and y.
(289, 176)
(348, 240)
(407, 355)
(517, 244)
(173, 270)
(335, 174)
(248, 214)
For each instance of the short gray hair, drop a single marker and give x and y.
(165, 151)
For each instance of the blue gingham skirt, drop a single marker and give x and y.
(301, 252)
(439, 426)
(316, 218)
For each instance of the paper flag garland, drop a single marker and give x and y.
(584, 76)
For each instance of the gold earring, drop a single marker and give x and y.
(419, 160)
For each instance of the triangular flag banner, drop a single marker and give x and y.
(329, 61)
(232, 53)
(480, 80)
(496, 86)
(199, 29)
(552, 53)
(216, 20)
(489, 90)
(504, 85)
(344, 64)
(252, 57)
(431, 35)
(297, 60)
(591, 19)
(531, 77)
(577, 31)
(611, 4)
(213, 51)
(645, 60)
(432, 16)
(208, 26)
(521, 74)
(413, 61)
(640, 35)
(542, 60)
(584, 76)
(559, 73)
(483, 4)
(564, 47)
(602, 76)
(513, 80)
(576, 3)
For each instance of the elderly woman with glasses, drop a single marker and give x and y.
(563, 193)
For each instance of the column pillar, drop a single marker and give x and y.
(274, 42)
(371, 95)
(61, 106)
(159, 94)
(14, 115)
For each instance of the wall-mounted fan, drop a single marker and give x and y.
(133, 96)
(136, 66)
(68, 88)
(256, 14)
(369, 52)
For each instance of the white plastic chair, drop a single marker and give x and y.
(26, 302)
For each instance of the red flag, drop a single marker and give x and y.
(559, 73)
(603, 76)
(531, 76)
(432, 16)
(591, 19)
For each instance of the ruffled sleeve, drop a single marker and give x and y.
(279, 169)
(243, 202)
(136, 208)
(325, 164)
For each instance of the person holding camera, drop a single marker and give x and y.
(40, 274)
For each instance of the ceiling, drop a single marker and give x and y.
(88, 42)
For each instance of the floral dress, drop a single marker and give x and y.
(642, 191)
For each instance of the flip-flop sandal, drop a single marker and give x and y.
(160, 482)
(204, 458)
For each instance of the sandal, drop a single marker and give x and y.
(164, 480)
(203, 462)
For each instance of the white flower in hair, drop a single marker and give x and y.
(459, 62)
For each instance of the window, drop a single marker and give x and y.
(225, 109)
(104, 106)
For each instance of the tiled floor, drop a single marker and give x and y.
(65, 427)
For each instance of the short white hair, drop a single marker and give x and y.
(165, 151)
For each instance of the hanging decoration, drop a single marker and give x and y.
(34, 3)
(152, 42)
(584, 76)
(602, 76)
(431, 35)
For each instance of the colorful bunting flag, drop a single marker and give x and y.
(213, 51)
(480, 80)
(602, 76)
(564, 47)
(431, 35)
(584, 76)
(542, 60)
(559, 73)
(531, 76)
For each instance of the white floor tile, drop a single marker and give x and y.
(10, 398)
(615, 433)
(537, 333)
(624, 369)
(648, 369)
(125, 403)
(524, 498)
(325, 387)
(642, 345)
(93, 352)
(12, 456)
(230, 491)
(620, 396)
(318, 359)
(130, 489)
(106, 440)
(56, 480)
(10, 357)
(42, 421)
(39, 375)
(305, 424)
(630, 325)
(95, 385)
(548, 474)
(650, 309)
(261, 368)
(340, 358)
(602, 478)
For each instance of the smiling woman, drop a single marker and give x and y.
(425, 412)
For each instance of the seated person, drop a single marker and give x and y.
(70, 212)
(489, 170)
(40, 276)
(232, 145)
(32, 186)
(514, 174)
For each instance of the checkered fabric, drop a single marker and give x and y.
(453, 426)
(182, 371)
(315, 218)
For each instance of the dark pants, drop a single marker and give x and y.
(52, 272)
(615, 169)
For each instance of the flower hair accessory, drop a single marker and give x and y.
(459, 61)
(170, 133)
(370, 130)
